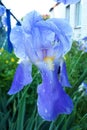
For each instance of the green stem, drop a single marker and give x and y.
(21, 113)
(76, 63)
(79, 81)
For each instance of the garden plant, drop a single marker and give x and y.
(43, 73)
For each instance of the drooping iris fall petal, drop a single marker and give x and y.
(63, 75)
(22, 77)
(52, 99)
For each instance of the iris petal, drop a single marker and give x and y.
(65, 33)
(63, 75)
(67, 1)
(18, 39)
(22, 43)
(52, 99)
(30, 20)
(62, 30)
(42, 34)
(22, 77)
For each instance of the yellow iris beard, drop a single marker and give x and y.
(49, 62)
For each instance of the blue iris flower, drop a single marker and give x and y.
(43, 43)
(82, 44)
(2, 10)
(83, 87)
(67, 1)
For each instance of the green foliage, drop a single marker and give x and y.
(76, 64)
(19, 111)
(8, 63)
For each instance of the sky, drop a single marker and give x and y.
(21, 7)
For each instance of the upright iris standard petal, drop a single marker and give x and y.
(65, 36)
(2, 10)
(39, 35)
(18, 38)
(52, 100)
(22, 77)
(67, 1)
(63, 75)
(30, 20)
(62, 30)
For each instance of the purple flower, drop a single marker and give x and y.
(67, 1)
(83, 86)
(84, 38)
(82, 44)
(2, 10)
(63, 75)
(43, 43)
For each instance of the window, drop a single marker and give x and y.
(68, 13)
(78, 14)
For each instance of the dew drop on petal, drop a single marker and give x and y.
(43, 90)
(46, 110)
(50, 82)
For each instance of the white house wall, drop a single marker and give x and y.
(81, 31)
(59, 11)
(78, 32)
(84, 18)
